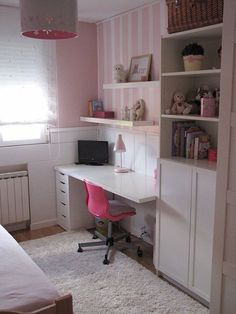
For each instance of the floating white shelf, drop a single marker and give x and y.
(116, 122)
(199, 163)
(131, 85)
(203, 32)
(190, 117)
(211, 72)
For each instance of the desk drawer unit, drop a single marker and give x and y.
(62, 192)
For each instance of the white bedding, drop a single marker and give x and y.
(23, 285)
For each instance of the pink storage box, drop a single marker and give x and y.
(208, 107)
(104, 114)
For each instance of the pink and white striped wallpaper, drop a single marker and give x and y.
(131, 34)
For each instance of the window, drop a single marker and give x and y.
(27, 83)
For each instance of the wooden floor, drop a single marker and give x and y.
(145, 260)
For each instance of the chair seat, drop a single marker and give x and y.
(117, 209)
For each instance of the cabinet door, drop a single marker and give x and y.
(202, 225)
(174, 223)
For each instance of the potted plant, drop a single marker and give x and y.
(193, 56)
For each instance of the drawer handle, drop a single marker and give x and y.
(62, 191)
(62, 182)
(63, 203)
(63, 216)
(62, 173)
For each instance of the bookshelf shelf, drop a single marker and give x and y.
(211, 31)
(117, 122)
(198, 163)
(131, 85)
(190, 117)
(211, 72)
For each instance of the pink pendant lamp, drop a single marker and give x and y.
(120, 148)
(49, 19)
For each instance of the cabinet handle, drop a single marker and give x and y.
(63, 203)
(62, 182)
(62, 191)
(63, 216)
(62, 173)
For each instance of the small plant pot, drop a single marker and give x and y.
(193, 62)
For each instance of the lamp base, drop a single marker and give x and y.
(121, 170)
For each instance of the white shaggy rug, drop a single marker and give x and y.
(121, 287)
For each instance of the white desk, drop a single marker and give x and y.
(133, 186)
(70, 191)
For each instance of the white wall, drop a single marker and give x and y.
(142, 152)
(141, 156)
(40, 161)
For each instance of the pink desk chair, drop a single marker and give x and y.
(112, 210)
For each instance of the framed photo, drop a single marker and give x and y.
(139, 68)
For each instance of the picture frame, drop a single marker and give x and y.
(140, 68)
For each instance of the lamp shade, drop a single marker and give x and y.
(119, 145)
(49, 19)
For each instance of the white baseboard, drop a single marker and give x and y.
(43, 224)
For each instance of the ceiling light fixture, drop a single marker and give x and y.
(49, 19)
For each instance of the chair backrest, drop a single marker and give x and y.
(96, 200)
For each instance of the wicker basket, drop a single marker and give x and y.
(189, 14)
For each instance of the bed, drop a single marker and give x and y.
(24, 287)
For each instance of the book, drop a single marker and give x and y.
(191, 133)
(204, 145)
(97, 105)
(94, 106)
(178, 137)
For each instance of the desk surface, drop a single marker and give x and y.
(133, 186)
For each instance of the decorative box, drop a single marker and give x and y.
(104, 114)
(208, 107)
(189, 14)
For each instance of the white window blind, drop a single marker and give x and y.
(27, 83)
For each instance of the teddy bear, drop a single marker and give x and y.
(120, 74)
(138, 110)
(179, 106)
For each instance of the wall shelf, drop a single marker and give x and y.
(211, 72)
(190, 117)
(116, 122)
(132, 85)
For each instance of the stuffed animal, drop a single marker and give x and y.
(120, 75)
(138, 110)
(179, 106)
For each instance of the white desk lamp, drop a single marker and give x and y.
(120, 148)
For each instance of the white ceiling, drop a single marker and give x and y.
(97, 10)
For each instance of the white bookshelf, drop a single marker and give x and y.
(173, 78)
(131, 85)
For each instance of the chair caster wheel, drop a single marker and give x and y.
(80, 249)
(106, 261)
(95, 237)
(139, 252)
(128, 239)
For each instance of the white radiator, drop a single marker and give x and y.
(14, 197)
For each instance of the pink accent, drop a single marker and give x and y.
(134, 32)
(77, 75)
(124, 21)
(193, 58)
(100, 38)
(145, 31)
(208, 107)
(99, 206)
(119, 145)
(52, 34)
